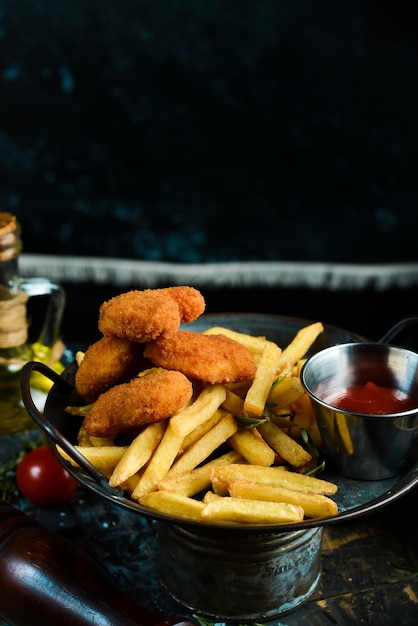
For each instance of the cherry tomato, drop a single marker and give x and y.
(43, 480)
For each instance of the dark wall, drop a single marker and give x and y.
(199, 131)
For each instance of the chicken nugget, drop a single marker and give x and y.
(190, 301)
(129, 406)
(139, 315)
(107, 362)
(210, 358)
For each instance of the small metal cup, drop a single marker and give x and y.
(364, 446)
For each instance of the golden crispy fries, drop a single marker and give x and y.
(160, 463)
(79, 356)
(101, 441)
(201, 430)
(222, 475)
(240, 388)
(303, 422)
(298, 366)
(304, 416)
(233, 403)
(129, 485)
(266, 372)
(252, 447)
(204, 447)
(173, 504)
(300, 344)
(104, 458)
(285, 446)
(138, 453)
(205, 405)
(198, 479)
(284, 391)
(254, 344)
(210, 496)
(314, 505)
(83, 438)
(250, 511)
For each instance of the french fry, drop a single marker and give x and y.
(299, 345)
(298, 367)
(253, 343)
(210, 496)
(205, 405)
(201, 430)
(344, 432)
(83, 439)
(198, 479)
(129, 485)
(159, 464)
(241, 511)
(104, 458)
(284, 391)
(204, 447)
(101, 441)
(314, 505)
(173, 504)
(138, 453)
(233, 403)
(79, 356)
(222, 475)
(285, 446)
(240, 388)
(304, 415)
(266, 372)
(252, 447)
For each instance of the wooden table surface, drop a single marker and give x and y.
(366, 577)
(369, 564)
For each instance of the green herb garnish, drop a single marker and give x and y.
(251, 422)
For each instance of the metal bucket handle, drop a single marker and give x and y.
(397, 328)
(50, 430)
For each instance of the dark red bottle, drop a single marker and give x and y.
(47, 579)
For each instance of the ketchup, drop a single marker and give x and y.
(371, 399)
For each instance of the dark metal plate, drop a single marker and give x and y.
(354, 497)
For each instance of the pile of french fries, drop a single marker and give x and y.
(241, 453)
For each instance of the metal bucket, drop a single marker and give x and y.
(239, 577)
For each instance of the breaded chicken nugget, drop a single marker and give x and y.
(139, 315)
(147, 399)
(107, 362)
(190, 301)
(211, 358)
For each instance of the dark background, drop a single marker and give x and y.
(204, 131)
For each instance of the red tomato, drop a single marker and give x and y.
(43, 480)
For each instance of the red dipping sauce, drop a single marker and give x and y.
(371, 399)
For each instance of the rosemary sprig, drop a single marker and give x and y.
(251, 422)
